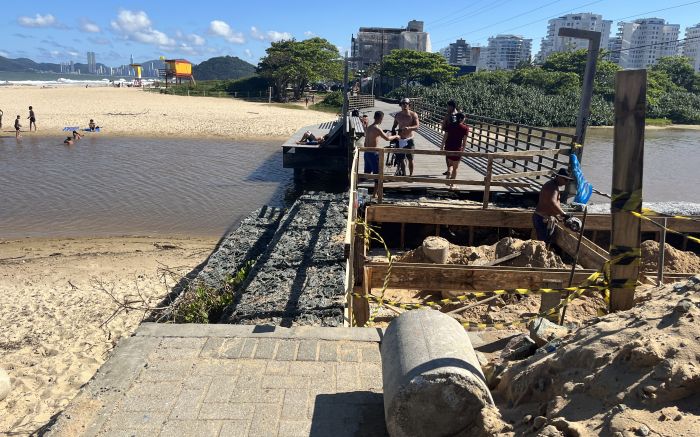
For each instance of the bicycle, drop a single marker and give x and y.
(394, 159)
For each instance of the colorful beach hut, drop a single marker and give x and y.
(177, 70)
(138, 70)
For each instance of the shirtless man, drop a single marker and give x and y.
(372, 133)
(32, 119)
(17, 128)
(407, 121)
(548, 206)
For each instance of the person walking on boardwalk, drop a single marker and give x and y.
(407, 122)
(17, 128)
(32, 119)
(372, 134)
(446, 121)
(454, 139)
(548, 208)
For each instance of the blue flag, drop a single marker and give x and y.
(584, 190)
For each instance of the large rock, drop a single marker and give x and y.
(5, 384)
(543, 331)
(433, 383)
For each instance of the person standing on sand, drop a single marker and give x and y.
(0, 118)
(446, 121)
(17, 128)
(407, 121)
(372, 133)
(32, 119)
(306, 101)
(455, 139)
(548, 208)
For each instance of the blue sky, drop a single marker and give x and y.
(52, 31)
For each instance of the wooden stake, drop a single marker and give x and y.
(628, 163)
(487, 183)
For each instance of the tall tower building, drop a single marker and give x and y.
(92, 65)
(505, 52)
(644, 41)
(553, 43)
(373, 43)
(691, 48)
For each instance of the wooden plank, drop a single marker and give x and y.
(591, 256)
(524, 174)
(628, 163)
(380, 185)
(487, 184)
(454, 277)
(502, 259)
(439, 180)
(523, 155)
(518, 219)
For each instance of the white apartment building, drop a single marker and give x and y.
(553, 43)
(505, 52)
(691, 46)
(373, 43)
(461, 53)
(644, 41)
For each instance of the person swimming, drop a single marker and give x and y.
(68, 141)
(76, 135)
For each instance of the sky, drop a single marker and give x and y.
(52, 31)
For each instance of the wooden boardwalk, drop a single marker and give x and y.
(426, 166)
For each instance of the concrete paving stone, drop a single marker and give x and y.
(148, 404)
(370, 384)
(212, 348)
(257, 395)
(328, 351)
(214, 367)
(296, 396)
(181, 366)
(308, 350)
(172, 354)
(370, 370)
(232, 347)
(235, 428)
(226, 411)
(349, 352)
(252, 367)
(295, 381)
(138, 422)
(163, 389)
(249, 381)
(197, 382)
(148, 375)
(370, 353)
(309, 368)
(288, 428)
(277, 368)
(182, 343)
(248, 348)
(287, 350)
(347, 376)
(220, 390)
(191, 428)
(294, 412)
(266, 348)
(265, 420)
(187, 405)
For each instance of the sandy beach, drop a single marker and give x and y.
(52, 338)
(130, 111)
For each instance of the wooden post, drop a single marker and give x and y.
(380, 182)
(628, 163)
(487, 183)
(662, 253)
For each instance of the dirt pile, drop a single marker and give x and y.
(635, 372)
(675, 261)
(532, 254)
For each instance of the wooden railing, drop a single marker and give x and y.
(360, 101)
(493, 135)
(490, 179)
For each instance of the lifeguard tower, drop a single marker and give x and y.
(177, 70)
(138, 69)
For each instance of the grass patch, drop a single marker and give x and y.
(325, 108)
(287, 106)
(658, 122)
(206, 304)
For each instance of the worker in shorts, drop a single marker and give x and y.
(407, 123)
(548, 209)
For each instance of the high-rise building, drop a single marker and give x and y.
(373, 43)
(92, 65)
(461, 53)
(644, 41)
(587, 21)
(505, 52)
(691, 46)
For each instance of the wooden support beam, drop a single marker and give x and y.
(454, 277)
(523, 174)
(487, 184)
(591, 256)
(429, 180)
(628, 163)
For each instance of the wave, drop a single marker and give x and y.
(61, 81)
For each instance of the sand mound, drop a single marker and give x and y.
(675, 261)
(631, 373)
(532, 254)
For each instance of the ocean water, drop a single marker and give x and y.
(60, 79)
(107, 186)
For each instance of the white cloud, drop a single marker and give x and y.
(38, 20)
(270, 35)
(89, 27)
(73, 54)
(309, 33)
(136, 26)
(4, 54)
(222, 29)
(248, 53)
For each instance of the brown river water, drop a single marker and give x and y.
(107, 186)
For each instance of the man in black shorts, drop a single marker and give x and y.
(407, 122)
(32, 119)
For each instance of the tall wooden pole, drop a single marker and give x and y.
(628, 163)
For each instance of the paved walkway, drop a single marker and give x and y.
(234, 380)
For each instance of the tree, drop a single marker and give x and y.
(414, 66)
(298, 63)
(679, 69)
(575, 62)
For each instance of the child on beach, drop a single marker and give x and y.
(92, 126)
(17, 127)
(32, 119)
(68, 141)
(76, 135)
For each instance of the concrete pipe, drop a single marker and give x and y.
(436, 249)
(433, 384)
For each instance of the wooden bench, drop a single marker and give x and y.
(357, 126)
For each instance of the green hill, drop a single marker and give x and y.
(223, 68)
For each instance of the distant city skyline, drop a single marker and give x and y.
(47, 31)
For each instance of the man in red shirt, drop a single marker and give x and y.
(455, 139)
